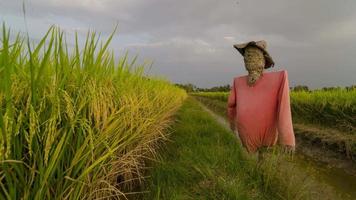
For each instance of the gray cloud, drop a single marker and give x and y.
(191, 41)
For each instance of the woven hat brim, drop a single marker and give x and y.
(241, 48)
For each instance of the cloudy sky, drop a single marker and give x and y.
(190, 41)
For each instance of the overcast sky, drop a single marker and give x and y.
(190, 41)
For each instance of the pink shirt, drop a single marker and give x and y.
(262, 112)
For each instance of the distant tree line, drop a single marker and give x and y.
(225, 88)
(192, 88)
(306, 88)
(187, 87)
(299, 88)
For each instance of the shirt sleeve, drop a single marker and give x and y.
(231, 103)
(285, 126)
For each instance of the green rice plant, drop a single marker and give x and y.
(222, 96)
(76, 125)
(333, 108)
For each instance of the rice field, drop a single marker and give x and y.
(76, 125)
(333, 108)
(330, 113)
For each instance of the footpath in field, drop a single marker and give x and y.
(203, 160)
(334, 180)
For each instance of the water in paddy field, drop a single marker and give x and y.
(344, 184)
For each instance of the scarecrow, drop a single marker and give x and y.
(259, 104)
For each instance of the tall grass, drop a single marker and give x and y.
(207, 161)
(76, 125)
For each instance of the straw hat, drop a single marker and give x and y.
(259, 44)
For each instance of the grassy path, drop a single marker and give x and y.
(203, 160)
(326, 180)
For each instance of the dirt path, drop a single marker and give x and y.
(218, 118)
(323, 166)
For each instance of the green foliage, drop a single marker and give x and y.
(203, 161)
(222, 96)
(300, 88)
(206, 161)
(352, 87)
(76, 125)
(192, 88)
(224, 88)
(187, 87)
(334, 108)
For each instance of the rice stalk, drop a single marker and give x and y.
(76, 124)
